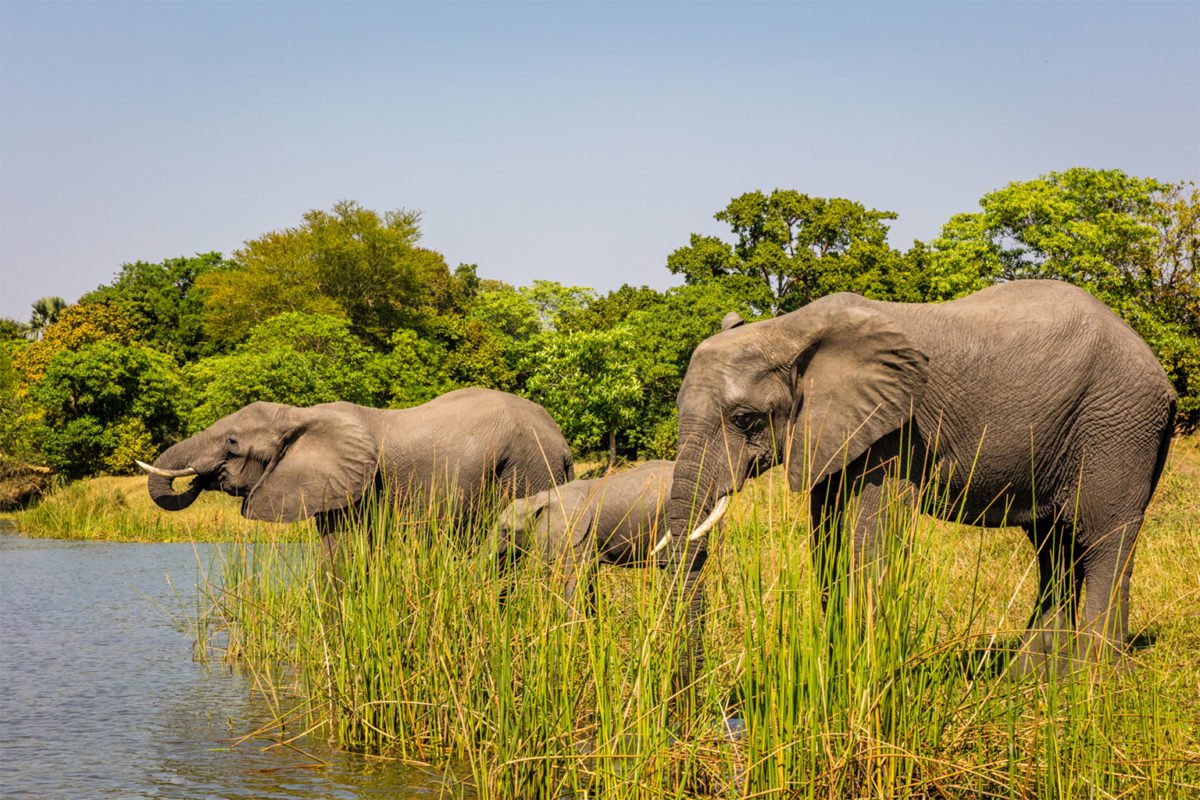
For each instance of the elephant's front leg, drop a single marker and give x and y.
(333, 546)
(852, 513)
(579, 579)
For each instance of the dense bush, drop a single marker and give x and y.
(296, 358)
(105, 405)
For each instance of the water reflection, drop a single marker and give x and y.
(100, 697)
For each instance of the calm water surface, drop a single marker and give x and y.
(100, 696)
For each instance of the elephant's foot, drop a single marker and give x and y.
(1047, 654)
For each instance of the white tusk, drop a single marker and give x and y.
(713, 518)
(704, 527)
(166, 473)
(661, 544)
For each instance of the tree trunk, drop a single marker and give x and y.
(612, 449)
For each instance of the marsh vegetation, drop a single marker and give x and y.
(414, 658)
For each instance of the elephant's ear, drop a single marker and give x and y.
(328, 461)
(857, 378)
(570, 527)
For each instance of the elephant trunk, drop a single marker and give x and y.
(692, 495)
(179, 459)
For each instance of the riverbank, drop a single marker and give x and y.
(119, 509)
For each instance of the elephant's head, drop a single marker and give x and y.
(514, 529)
(286, 463)
(812, 389)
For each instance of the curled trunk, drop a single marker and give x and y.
(161, 488)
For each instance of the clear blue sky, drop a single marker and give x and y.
(580, 142)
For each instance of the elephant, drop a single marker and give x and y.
(1028, 403)
(615, 519)
(289, 463)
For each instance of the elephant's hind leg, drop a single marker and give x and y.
(1108, 567)
(1113, 497)
(1060, 576)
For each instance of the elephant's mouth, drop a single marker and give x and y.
(714, 516)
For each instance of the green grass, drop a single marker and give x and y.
(413, 657)
(120, 509)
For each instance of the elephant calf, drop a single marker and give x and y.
(611, 520)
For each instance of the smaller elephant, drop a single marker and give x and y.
(616, 519)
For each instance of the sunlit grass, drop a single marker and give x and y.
(896, 692)
(120, 509)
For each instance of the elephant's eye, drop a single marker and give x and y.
(747, 421)
(231, 442)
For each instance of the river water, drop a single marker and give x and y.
(100, 696)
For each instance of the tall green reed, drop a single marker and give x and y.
(894, 689)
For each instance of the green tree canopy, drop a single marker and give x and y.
(73, 328)
(413, 371)
(588, 382)
(105, 405)
(790, 248)
(555, 302)
(164, 300)
(11, 329)
(350, 262)
(18, 415)
(296, 358)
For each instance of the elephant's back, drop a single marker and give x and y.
(489, 432)
(1026, 376)
(630, 508)
(477, 405)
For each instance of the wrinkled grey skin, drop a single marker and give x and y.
(289, 463)
(615, 519)
(1022, 385)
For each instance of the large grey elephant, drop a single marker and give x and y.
(289, 463)
(615, 519)
(1028, 404)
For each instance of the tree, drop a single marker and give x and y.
(164, 300)
(74, 327)
(613, 308)
(667, 333)
(1130, 241)
(295, 358)
(351, 262)
(472, 353)
(588, 382)
(1096, 228)
(45, 312)
(105, 405)
(518, 320)
(11, 329)
(18, 416)
(555, 302)
(666, 326)
(791, 248)
(412, 372)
